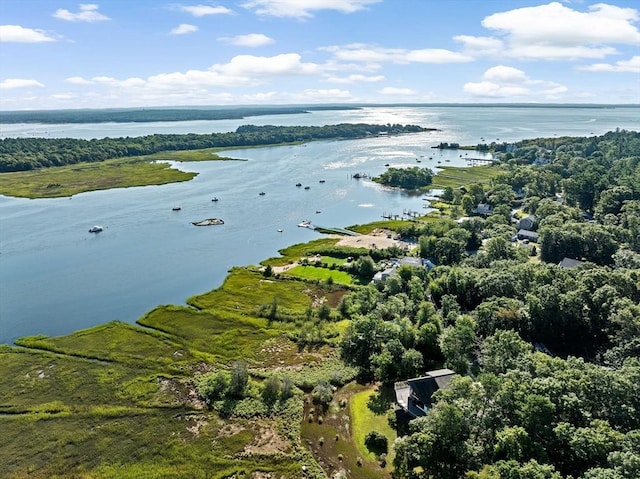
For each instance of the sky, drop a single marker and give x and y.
(58, 54)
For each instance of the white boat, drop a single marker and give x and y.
(304, 224)
(96, 229)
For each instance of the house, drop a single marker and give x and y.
(414, 396)
(412, 261)
(569, 263)
(527, 223)
(523, 234)
(483, 209)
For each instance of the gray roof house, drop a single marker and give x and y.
(407, 260)
(527, 235)
(414, 396)
(527, 223)
(569, 263)
(483, 209)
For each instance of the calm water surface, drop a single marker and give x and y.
(55, 277)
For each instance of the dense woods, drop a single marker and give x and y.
(21, 154)
(126, 115)
(410, 178)
(548, 356)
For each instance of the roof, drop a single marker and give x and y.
(415, 395)
(570, 263)
(527, 234)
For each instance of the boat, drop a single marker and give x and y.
(262, 193)
(321, 181)
(307, 187)
(298, 185)
(214, 199)
(279, 230)
(304, 224)
(176, 208)
(318, 212)
(96, 229)
(386, 164)
(208, 222)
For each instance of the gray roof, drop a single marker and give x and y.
(415, 395)
(569, 263)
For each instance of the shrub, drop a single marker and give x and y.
(376, 442)
(322, 393)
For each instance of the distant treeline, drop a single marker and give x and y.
(22, 154)
(126, 115)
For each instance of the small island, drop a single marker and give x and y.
(409, 178)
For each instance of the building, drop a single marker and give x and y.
(569, 263)
(483, 209)
(412, 261)
(527, 223)
(527, 235)
(414, 396)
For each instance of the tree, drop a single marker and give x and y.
(365, 267)
(457, 344)
(376, 442)
(504, 351)
(322, 393)
(239, 379)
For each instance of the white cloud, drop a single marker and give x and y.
(397, 91)
(88, 13)
(249, 40)
(355, 78)
(283, 64)
(555, 31)
(623, 66)
(78, 81)
(18, 34)
(372, 54)
(183, 29)
(508, 82)
(305, 8)
(203, 10)
(11, 83)
(476, 46)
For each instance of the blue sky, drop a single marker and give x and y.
(130, 53)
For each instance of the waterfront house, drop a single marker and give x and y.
(414, 396)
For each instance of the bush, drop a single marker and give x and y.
(322, 393)
(376, 442)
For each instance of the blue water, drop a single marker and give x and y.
(56, 277)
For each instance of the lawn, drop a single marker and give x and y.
(320, 274)
(293, 253)
(456, 177)
(364, 420)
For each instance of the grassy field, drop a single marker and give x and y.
(320, 274)
(295, 252)
(364, 420)
(120, 400)
(70, 180)
(455, 177)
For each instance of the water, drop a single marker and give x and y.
(56, 277)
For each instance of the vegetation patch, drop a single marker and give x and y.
(320, 274)
(364, 420)
(71, 180)
(455, 176)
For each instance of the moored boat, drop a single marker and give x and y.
(96, 229)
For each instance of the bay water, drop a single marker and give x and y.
(56, 277)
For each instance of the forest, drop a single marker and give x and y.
(126, 115)
(23, 154)
(547, 356)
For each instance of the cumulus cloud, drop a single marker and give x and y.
(88, 12)
(356, 78)
(555, 31)
(372, 54)
(397, 91)
(283, 64)
(203, 10)
(183, 29)
(480, 46)
(508, 82)
(623, 66)
(249, 40)
(11, 83)
(304, 9)
(242, 70)
(18, 34)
